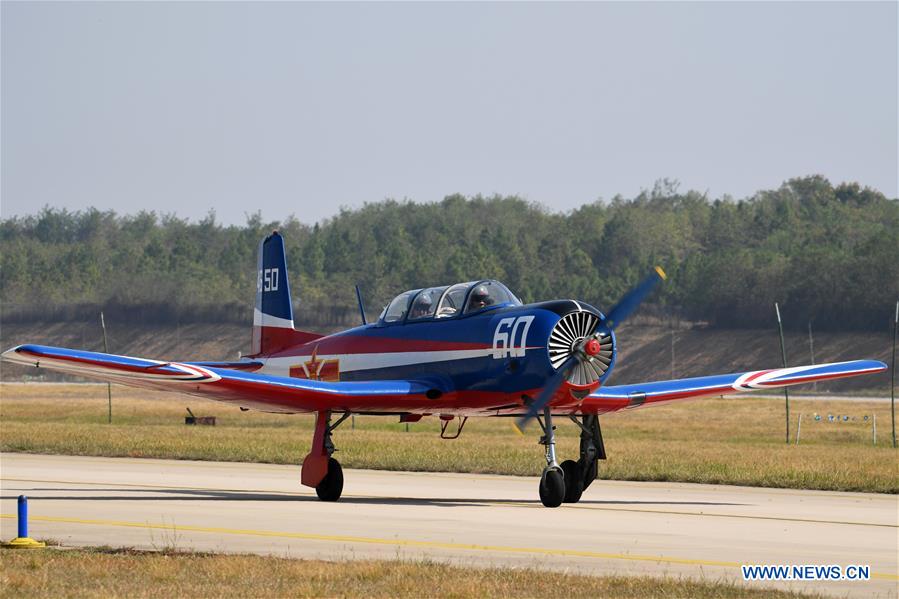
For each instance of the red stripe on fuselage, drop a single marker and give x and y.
(285, 399)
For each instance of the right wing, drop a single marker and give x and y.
(246, 389)
(639, 395)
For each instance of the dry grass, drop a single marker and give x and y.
(729, 441)
(123, 573)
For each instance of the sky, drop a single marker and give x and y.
(304, 108)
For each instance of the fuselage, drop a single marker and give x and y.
(494, 359)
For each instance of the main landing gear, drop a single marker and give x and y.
(320, 470)
(566, 483)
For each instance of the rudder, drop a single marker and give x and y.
(273, 315)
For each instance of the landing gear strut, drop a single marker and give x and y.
(552, 481)
(320, 470)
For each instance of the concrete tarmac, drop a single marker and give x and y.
(629, 528)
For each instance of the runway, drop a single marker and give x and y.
(700, 531)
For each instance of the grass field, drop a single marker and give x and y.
(123, 573)
(723, 441)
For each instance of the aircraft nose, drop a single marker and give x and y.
(576, 334)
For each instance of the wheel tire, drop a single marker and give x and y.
(331, 486)
(574, 481)
(552, 487)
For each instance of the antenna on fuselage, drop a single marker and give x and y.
(361, 305)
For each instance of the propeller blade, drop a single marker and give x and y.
(631, 300)
(552, 385)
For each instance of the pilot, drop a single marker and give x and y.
(480, 298)
(422, 306)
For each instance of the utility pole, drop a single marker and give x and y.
(673, 375)
(783, 352)
(893, 375)
(811, 350)
(106, 350)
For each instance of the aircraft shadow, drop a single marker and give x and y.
(91, 494)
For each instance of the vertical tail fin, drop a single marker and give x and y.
(273, 315)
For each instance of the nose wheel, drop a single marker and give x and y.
(552, 481)
(552, 487)
(574, 481)
(566, 483)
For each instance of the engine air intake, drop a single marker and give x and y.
(566, 339)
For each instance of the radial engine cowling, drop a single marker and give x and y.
(568, 336)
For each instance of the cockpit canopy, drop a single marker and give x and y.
(448, 301)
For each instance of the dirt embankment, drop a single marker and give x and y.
(645, 352)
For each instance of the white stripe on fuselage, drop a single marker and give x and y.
(350, 362)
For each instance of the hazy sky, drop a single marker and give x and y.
(302, 108)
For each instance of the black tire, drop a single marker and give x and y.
(552, 488)
(574, 481)
(332, 484)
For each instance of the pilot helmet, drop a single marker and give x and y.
(424, 300)
(480, 295)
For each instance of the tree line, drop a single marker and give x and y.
(827, 253)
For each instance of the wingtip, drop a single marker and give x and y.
(17, 355)
(873, 365)
(9, 353)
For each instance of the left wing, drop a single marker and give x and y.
(618, 397)
(246, 389)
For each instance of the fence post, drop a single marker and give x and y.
(811, 351)
(673, 369)
(783, 352)
(799, 428)
(893, 376)
(106, 351)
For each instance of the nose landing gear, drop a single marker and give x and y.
(552, 481)
(566, 483)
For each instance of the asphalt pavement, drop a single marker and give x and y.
(629, 528)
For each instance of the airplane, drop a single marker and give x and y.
(453, 351)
